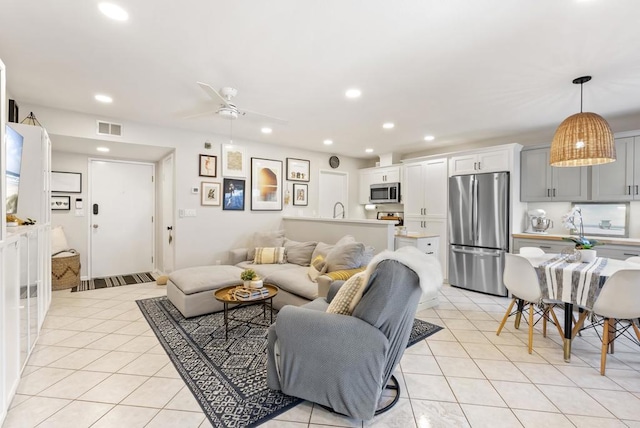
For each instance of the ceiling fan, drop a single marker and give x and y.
(227, 109)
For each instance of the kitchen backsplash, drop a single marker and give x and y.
(555, 211)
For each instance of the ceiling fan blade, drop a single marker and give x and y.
(266, 116)
(213, 93)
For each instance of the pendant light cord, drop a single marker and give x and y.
(581, 85)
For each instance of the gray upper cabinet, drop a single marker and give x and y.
(619, 180)
(541, 182)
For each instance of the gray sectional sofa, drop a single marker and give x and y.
(191, 289)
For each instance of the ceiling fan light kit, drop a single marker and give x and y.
(582, 139)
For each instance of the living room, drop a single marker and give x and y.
(472, 76)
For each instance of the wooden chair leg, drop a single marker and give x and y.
(531, 327)
(516, 322)
(636, 329)
(605, 345)
(504, 320)
(557, 323)
(545, 318)
(612, 334)
(578, 325)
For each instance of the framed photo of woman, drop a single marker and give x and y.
(208, 166)
(300, 194)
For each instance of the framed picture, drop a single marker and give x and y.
(210, 193)
(233, 197)
(266, 185)
(66, 182)
(297, 169)
(300, 194)
(233, 161)
(60, 203)
(208, 166)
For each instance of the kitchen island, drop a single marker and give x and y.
(613, 247)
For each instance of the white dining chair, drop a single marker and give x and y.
(633, 259)
(531, 251)
(521, 280)
(619, 305)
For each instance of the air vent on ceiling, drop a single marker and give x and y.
(108, 128)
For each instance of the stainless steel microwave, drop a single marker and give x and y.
(385, 193)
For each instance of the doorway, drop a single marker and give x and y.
(167, 232)
(334, 190)
(121, 220)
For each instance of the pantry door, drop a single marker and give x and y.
(121, 212)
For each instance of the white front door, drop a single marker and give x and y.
(167, 233)
(334, 190)
(121, 217)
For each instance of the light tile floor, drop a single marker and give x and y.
(98, 364)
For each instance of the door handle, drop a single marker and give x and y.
(629, 190)
(554, 193)
(548, 193)
(169, 227)
(95, 226)
(95, 209)
(636, 189)
(479, 166)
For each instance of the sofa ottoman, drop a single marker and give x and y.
(191, 289)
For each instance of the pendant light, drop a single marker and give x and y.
(31, 120)
(583, 138)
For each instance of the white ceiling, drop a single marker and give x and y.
(462, 70)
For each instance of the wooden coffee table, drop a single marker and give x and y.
(225, 295)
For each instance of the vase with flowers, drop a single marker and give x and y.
(573, 221)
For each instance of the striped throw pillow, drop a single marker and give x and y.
(343, 275)
(348, 296)
(269, 255)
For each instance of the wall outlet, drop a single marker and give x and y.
(195, 190)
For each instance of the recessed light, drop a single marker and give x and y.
(388, 125)
(369, 150)
(328, 142)
(102, 149)
(266, 130)
(103, 98)
(429, 138)
(113, 11)
(353, 93)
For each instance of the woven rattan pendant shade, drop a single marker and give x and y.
(583, 139)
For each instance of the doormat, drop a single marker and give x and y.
(228, 378)
(114, 281)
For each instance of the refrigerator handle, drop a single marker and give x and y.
(475, 211)
(476, 253)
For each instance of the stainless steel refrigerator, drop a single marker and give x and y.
(478, 231)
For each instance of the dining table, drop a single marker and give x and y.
(574, 283)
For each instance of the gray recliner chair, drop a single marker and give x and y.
(345, 362)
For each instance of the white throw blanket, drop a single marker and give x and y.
(427, 267)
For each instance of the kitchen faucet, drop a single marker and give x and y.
(334, 209)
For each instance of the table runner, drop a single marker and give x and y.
(577, 283)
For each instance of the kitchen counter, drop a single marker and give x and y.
(417, 235)
(604, 239)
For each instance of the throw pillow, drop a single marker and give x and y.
(317, 268)
(346, 239)
(343, 275)
(343, 257)
(265, 239)
(58, 240)
(349, 295)
(299, 253)
(322, 249)
(269, 255)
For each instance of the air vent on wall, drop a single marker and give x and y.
(107, 128)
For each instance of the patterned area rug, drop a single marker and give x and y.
(114, 281)
(228, 378)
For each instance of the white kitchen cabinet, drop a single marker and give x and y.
(540, 181)
(432, 227)
(425, 188)
(378, 175)
(547, 246)
(426, 244)
(619, 180)
(479, 162)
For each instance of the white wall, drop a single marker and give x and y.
(209, 235)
